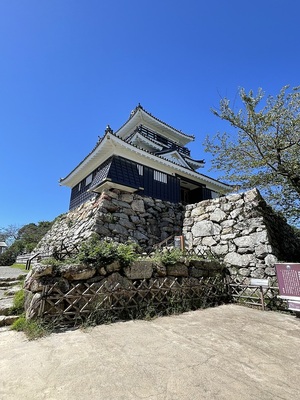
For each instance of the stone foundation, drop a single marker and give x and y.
(239, 229)
(47, 288)
(118, 215)
(243, 232)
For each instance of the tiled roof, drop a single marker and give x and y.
(139, 107)
(100, 140)
(136, 147)
(109, 131)
(129, 139)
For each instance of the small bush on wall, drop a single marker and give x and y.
(104, 252)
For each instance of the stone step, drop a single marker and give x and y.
(6, 320)
(4, 328)
(19, 277)
(11, 291)
(5, 305)
(5, 284)
(2, 293)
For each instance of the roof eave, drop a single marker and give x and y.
(110, 142)
(141, 116)
(74, 176)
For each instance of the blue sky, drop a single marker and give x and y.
(70, 67)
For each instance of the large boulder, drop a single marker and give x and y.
(178, 269)
(76, 272)
(205, 228)
(139, 270)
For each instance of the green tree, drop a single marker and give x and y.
(23, 240)
(31, 234)
(264, 149)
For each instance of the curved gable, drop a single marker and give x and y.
(141, 117)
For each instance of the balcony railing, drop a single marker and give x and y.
(166, 143)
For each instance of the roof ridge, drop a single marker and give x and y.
(139, 107)
(170, 126)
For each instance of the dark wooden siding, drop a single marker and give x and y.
(117, 169)
(79, 196)
(125, 172)
(169, 191)
(206, 194)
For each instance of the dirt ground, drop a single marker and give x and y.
(228, 352)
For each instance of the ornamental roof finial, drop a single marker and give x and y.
(135, 110)
(108, 130)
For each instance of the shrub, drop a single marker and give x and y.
(126, 253)
(56, 263)
(8, 257)
(169, 257)
(104, 252)
(96, 252)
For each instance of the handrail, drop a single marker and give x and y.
(28, 262)
(165, 241)
(163, 140)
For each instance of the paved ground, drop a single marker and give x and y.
(8, 273)
(228, 352)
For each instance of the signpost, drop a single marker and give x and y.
(288, 275)
(261, 283)
(179, 242)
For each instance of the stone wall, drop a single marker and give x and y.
(117, 215)
(70, 290)
(242, 231)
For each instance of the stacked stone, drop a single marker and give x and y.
(62, 279)
(240, 229)
(147, 221)
(70, 229)
(117, 215)
(237, 229)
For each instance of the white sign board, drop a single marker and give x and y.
(259, 282)
(294, 305)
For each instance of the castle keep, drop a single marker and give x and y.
(141, 184)
(144, 156)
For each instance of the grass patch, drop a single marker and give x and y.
(18, 304)
(19, 266)
(33, 329)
